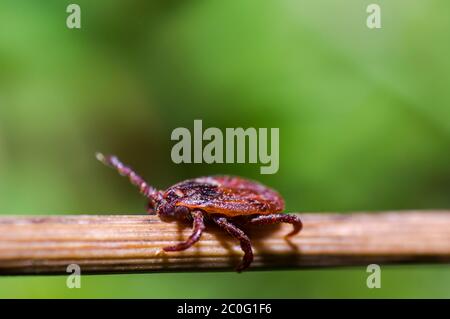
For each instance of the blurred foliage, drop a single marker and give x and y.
(363, 117)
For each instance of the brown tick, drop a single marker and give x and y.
(223, 200)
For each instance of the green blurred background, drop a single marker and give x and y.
(363, 117)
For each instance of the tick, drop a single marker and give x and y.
(228, 201)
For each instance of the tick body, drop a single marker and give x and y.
(227, 201)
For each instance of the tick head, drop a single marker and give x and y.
(170, 212)
(168, 208)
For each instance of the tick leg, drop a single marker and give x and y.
(237, 233)
(135, 179)
(279, 218)
(197, 230)
(150, 208)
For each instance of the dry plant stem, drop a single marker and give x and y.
(132, 243)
